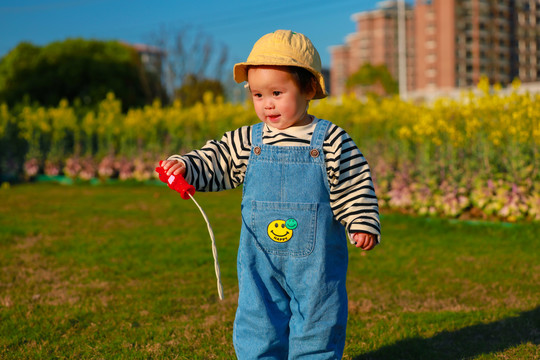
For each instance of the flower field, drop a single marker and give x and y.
(476, 156)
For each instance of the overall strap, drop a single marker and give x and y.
(319, 134)
(256, 134)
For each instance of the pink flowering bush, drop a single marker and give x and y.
(73, 167)
(88, 169)
(31, 168)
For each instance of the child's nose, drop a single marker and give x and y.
(269, 104)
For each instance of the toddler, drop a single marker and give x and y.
(305, 184)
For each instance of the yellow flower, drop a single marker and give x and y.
(404, 132)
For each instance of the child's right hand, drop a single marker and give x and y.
(364, 241)
(173, 167)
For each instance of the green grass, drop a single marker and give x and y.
(126, 271)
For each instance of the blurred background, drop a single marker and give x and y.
(441, 96)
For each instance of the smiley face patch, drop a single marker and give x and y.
(281, 231)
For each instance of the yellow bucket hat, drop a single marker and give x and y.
(284, 48)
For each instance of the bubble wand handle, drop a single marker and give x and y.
(176, 182)
(179, 184)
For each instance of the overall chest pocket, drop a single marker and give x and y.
(284, 229)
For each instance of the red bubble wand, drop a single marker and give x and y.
(179, 184)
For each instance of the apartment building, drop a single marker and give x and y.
(527, 39)
(450, 43)
(375, 41)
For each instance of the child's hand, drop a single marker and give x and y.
(365, 241)
(173, 167)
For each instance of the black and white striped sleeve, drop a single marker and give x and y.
(352, 195)
(219, 165)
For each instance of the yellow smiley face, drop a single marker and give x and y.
(279, 232)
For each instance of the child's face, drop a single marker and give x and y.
(277, 98)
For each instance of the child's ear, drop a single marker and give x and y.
(312, 89)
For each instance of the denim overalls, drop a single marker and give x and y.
(292, 257)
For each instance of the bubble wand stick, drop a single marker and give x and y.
(179, 184)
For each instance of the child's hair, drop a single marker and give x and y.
(303, 78)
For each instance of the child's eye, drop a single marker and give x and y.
(276, 93)
(256, 95)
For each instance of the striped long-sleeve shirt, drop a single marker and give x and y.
(221, 165)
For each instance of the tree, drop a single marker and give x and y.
(193, 90)
(77, 69)
(195, 63)
(374, 78)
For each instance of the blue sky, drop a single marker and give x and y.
(234, 24)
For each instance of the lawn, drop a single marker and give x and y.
(126, 272)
